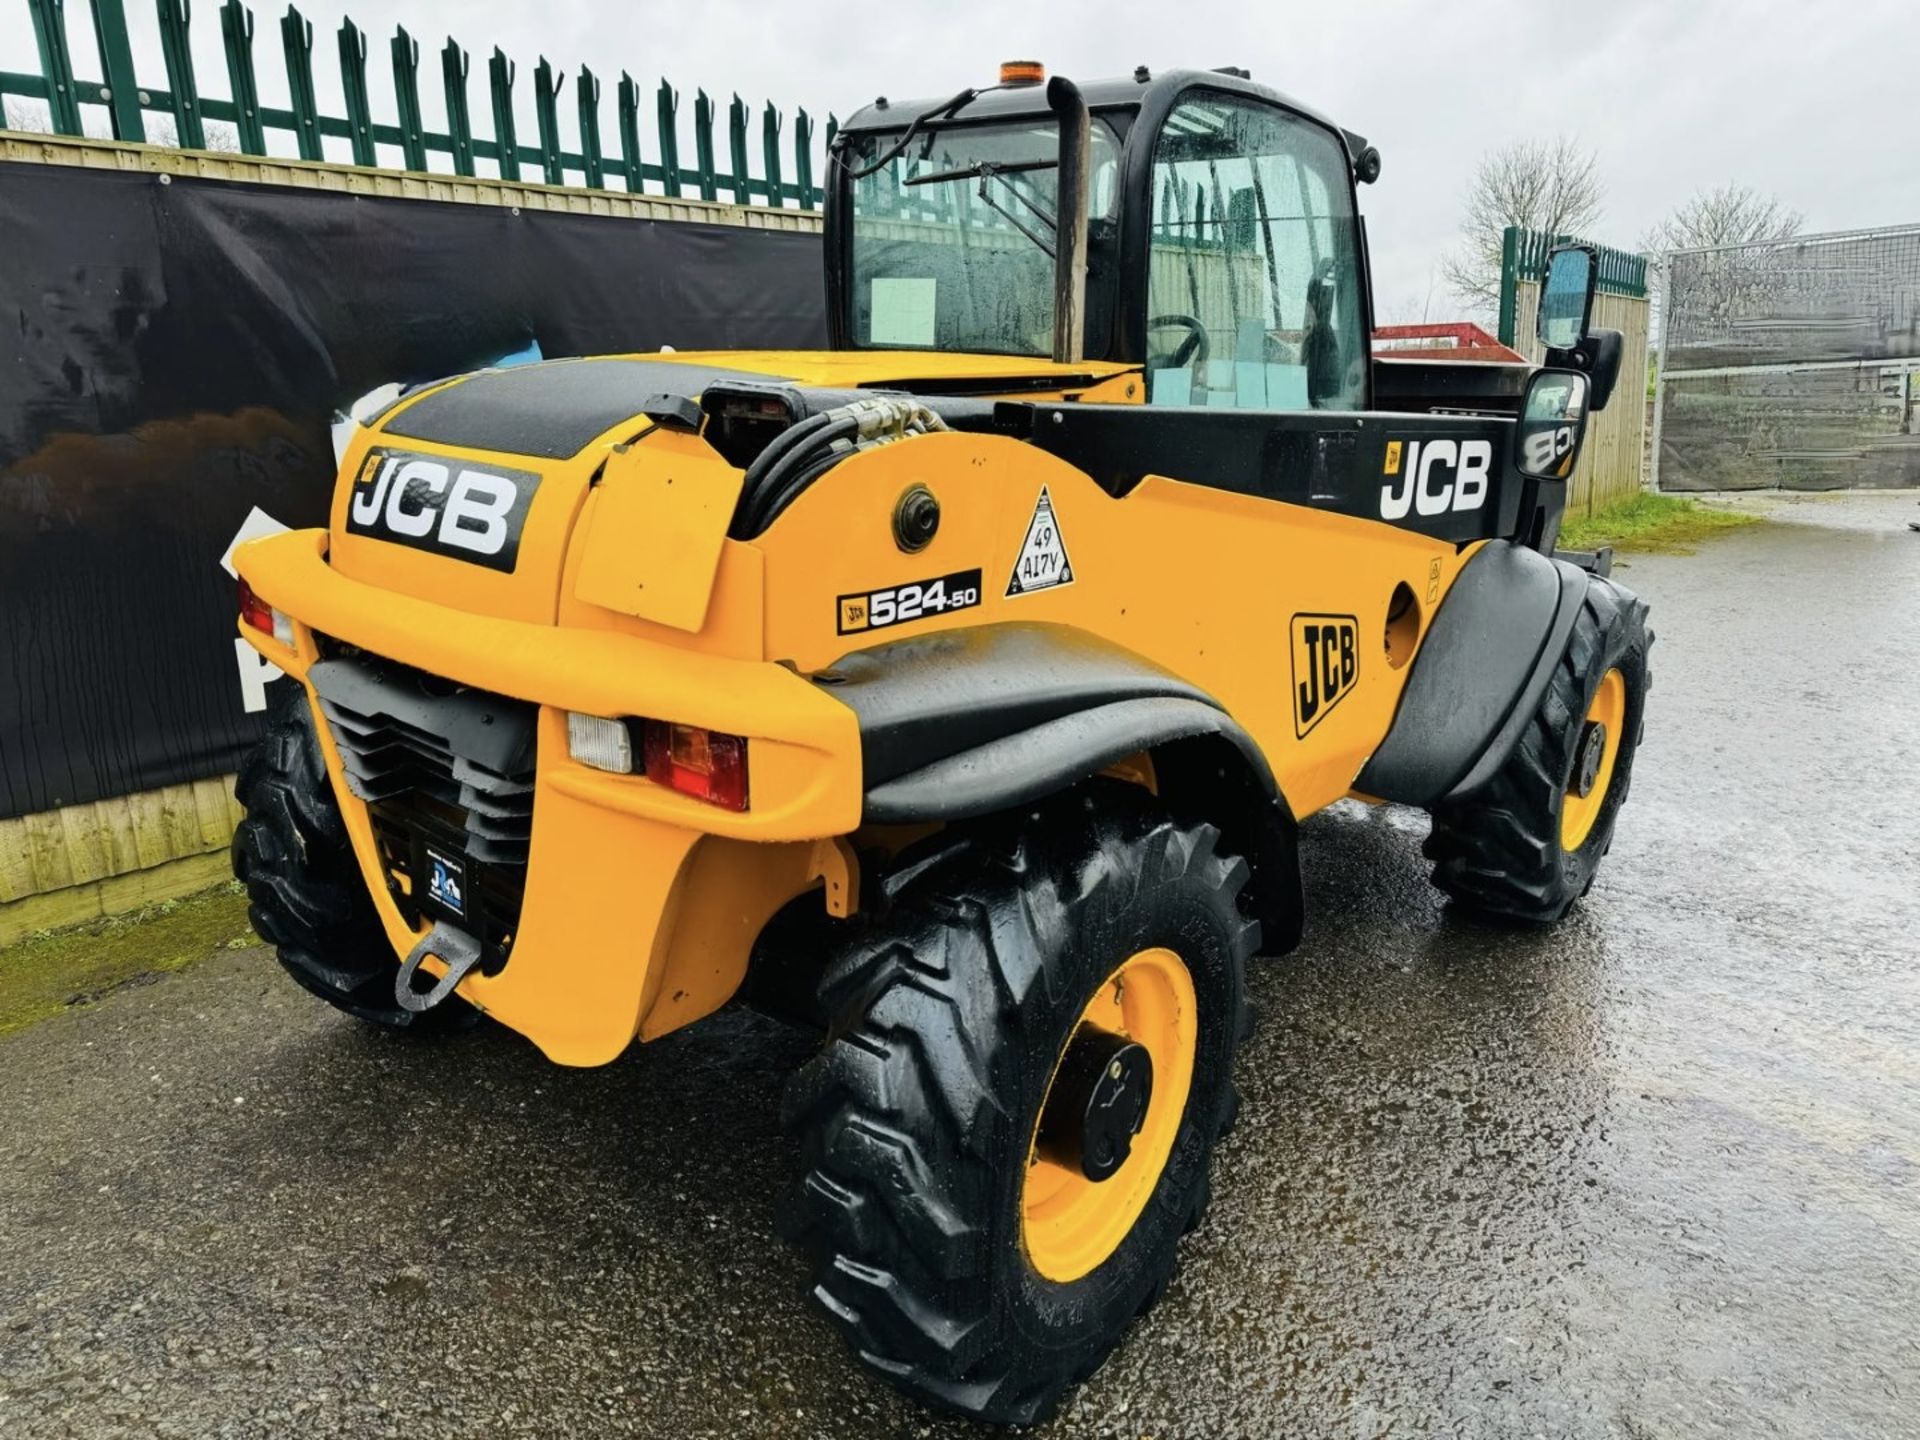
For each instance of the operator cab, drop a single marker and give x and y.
(1215, 241)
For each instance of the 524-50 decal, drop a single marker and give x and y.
(917, 600)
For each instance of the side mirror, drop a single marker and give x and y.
(1553, 422)
(1599, 355)
(1566, 296)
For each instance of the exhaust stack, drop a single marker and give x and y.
(1070, 235)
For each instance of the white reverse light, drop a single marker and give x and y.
(603, 744)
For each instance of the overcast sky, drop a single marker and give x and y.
(1812, 103)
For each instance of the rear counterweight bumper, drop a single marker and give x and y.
(641, 904)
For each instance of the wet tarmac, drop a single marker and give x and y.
(1653, 1174)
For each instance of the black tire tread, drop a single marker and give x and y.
(1498, 851)
(900, 1105)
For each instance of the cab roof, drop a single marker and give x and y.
(1132, 92)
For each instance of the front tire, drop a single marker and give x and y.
(306, 895)
(959, 1250)
(1526, 845)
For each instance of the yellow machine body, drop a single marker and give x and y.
(629, 599)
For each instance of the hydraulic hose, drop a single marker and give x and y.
(781, 446)
(777, 487)
(784, 470)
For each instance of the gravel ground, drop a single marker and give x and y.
(1651, 1174)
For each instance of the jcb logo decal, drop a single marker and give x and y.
(1326, 663)
(467, 512)
(1438, 476)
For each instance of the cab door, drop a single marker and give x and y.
(1255, 293)
(1257, 351)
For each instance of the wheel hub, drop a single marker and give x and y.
(1103, 1136)
(1593, 750)
(1097, 1104)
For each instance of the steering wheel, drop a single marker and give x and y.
(1190, 351)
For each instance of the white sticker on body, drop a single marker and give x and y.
(903, 312)
(1043, 562)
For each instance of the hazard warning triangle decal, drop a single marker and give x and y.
(1043, 561)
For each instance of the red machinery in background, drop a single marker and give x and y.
(1448, 340)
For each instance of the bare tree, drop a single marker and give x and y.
(1724, 215)
(1728, 283)
(1411, 308)
(1551, 185)
(19, 116)
(30, 117)
(34, 118)
(218, 135)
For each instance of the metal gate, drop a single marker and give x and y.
(1791, 364)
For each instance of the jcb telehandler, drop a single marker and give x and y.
(957, 690)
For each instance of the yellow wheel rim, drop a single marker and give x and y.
(1069, 1224)
(1594, 756)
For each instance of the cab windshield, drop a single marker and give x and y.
(953, 238)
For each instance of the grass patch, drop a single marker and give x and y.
(1650, 523)
(45, 974)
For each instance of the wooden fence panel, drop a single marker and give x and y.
(64, 866)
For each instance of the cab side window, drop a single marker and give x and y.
(1253, 284)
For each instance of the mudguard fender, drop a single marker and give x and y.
(968, 723)
(1478, 676)
(924, 701)
(1031, 764)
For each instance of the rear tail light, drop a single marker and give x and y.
(702, 763)
(255, 611)
(705, 764)
(264, 618)
(603, 744)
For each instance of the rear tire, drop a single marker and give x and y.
(1526, 845)
(919, 1117)
(306, 892)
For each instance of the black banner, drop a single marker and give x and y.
(179, 349)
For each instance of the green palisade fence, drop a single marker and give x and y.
(587, 165)
(1523, 257)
